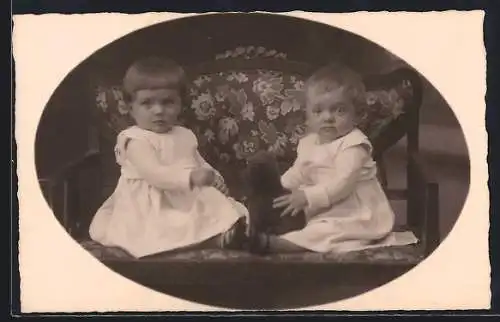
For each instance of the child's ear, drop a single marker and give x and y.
(127, 98)
(356, 118)
(129, 109)
(308, 124)
(356, 108)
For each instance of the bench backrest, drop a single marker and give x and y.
(247, 99)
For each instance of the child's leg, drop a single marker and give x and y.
(280, 245)
(233, 238)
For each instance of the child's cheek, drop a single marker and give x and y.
(313, 125)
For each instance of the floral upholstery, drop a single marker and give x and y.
(236, 112)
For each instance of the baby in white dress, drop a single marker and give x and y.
(167, 197)
(333, 180)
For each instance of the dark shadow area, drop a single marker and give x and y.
(265, 286)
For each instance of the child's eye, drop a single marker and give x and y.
(342, 109)
(145, 103)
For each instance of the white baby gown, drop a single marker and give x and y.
(341, 220)
(163, 213)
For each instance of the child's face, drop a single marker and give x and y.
(330, 114)
(155, 109)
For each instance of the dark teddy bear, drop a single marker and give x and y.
(263, 184)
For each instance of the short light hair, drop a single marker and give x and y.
(337, 75)
(155, 73)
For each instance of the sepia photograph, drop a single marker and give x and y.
(252, 161)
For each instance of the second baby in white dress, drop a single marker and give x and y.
(334, 178)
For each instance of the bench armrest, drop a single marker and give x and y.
(70, 168)
(61, 189)
(423, 202)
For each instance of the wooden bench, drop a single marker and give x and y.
(241, 103)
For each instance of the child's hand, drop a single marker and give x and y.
(294, 203)
(220, 185)
(202, 177)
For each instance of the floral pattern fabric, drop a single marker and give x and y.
(236, 113)
(251, 52)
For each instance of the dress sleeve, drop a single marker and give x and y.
(198, 157)
(219, 179)
(293, 178)
(346, 172)
(143, 157)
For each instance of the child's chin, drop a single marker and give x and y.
(331, 134)
(162, 128)
(328, 133)
(328, 130)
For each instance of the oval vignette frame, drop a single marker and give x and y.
(209, 36)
